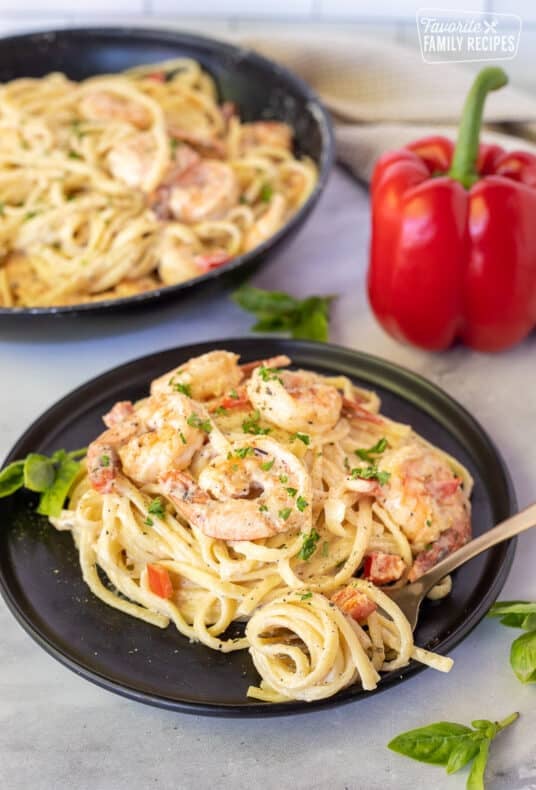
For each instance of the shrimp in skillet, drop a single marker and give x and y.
(206, 190)
(106, 105)
(146, 440)
(295, 400)
(240, 496)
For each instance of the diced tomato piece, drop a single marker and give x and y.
(159, 581)
(212, 260)
(353, 602)
(230, 402)
(381, 568)
(157, 76)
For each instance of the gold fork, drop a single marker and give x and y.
(409, 598)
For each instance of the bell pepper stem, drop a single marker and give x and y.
(463, 168)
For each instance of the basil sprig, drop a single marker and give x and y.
(453, 745)
(520, 614)
(51, 477)
(277, 311)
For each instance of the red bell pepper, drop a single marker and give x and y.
(159, 581)
(453, 250)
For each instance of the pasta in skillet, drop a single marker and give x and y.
(281, 498)
(124, 183)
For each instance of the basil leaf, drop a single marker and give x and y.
(257, 300)
(313, 326)
(52, 500)
(461, 754)
(11, 478)
(523, 657)
(515, 614)
(475, 780)
(432, 744)
(277, 311)
(39, 472)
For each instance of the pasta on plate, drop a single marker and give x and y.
(124, 183)
(279, 498)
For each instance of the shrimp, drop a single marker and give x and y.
(240, 496)
(267, 224)
(102, 105)
(119, 412)
(180, 262)
(295, 400)
(213, 375)
(426, 498)
(206, 190)
(131, 160)
(154, 436)
(273, 134)
(205, 377)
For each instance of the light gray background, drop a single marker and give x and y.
(58, 731)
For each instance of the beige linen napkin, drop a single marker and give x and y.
(382, 95)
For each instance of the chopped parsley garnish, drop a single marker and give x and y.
(306, 596)
(74, 155)
(105, 460)
(173, 143)
(233, 394)
(284, 513)
(263, 508)
(376, 449)
(270, 374)
(149, 522)
(428, 522)
(220, 411)
(267, 465)
(325, 548)
(292, 491)
(185, 389)
(266, 193)
(183, 437)
(156, 508)
(251, 425)
(242, 452)
(30, 215)
(371, 472)
(194, 421)
(310, 539)
(303, 437)
(283, 478)
(301, 504)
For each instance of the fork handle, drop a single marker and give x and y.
(522, 521)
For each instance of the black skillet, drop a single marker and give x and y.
(42, 584)
(261, 88)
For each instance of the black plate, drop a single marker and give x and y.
(261, 88)
(42, 584)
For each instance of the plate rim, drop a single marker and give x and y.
(325, 165)
(262, 709)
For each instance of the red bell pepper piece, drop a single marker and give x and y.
(381, 568)
(159, 581)
(453, 251)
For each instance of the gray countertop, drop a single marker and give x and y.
(59, 731)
